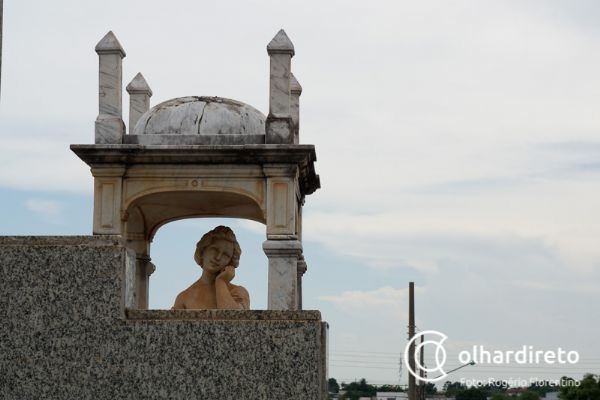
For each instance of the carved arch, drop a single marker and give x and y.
(157, 208)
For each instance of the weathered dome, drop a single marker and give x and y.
(195, 115)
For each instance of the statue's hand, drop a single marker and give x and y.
(227, 273)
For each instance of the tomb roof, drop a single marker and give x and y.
(201, 115)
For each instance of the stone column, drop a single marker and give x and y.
(143, 271)
(134, 232)
(283, 273)
(109, 123)
(282, 246)
(301, 270)
(282, 182)
(108, 191)
(279, 121)
(139, 99)
(302, 267)
(296, 91)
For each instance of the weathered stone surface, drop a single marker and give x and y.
(279, 128)
(283, 273)
(279, 84)
(303, 155)
(109, 127)
(139, 98)
(110, 85)
(280, 44)
(65, 333)
(194, 140)
(109, 44)
(280, 131)
(138, 85)
(201, 116)
(295, 87)
(177, 169)
(295, 92)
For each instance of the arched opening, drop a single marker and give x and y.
(156, 209)
(147, 212)
(173, 255)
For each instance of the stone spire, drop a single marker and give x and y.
(281, 44)
(295, 92)
(109, 123)
(139, 99)
(279, 121)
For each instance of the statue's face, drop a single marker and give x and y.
(218, 255)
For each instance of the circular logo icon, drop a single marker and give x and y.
(440, 355)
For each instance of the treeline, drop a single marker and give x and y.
(568, 388)
(361, 388)
(587, 388)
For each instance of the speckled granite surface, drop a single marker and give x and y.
(65, 334)
(231, 315)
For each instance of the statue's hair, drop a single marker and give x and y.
(220, 232)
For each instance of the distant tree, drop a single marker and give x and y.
(529, 395)
(332, 386)
(500, 396)
(355, 390)
(471, 393)
(588, 388)
(495, 387)
(542, 387)
(452, 388)
(430, 388)
(390, 388)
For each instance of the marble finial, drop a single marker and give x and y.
(280, 44)
(138, 85)
(295, 87)
(109, 44)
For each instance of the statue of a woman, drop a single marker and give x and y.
(218, 254)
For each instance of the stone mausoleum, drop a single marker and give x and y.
(75, 312)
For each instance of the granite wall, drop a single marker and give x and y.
(66, 334)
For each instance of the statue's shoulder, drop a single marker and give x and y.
(187, 292)
(240, 295)
(238, 289)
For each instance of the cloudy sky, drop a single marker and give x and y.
(458, 145)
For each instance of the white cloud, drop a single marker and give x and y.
(47, 209)
(555, 217)
(385, 300)
(42, 164)
(573, 286)
(252, 226)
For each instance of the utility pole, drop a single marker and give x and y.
(422, 371)
(411, 334)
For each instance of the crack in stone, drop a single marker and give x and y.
(200, 117)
